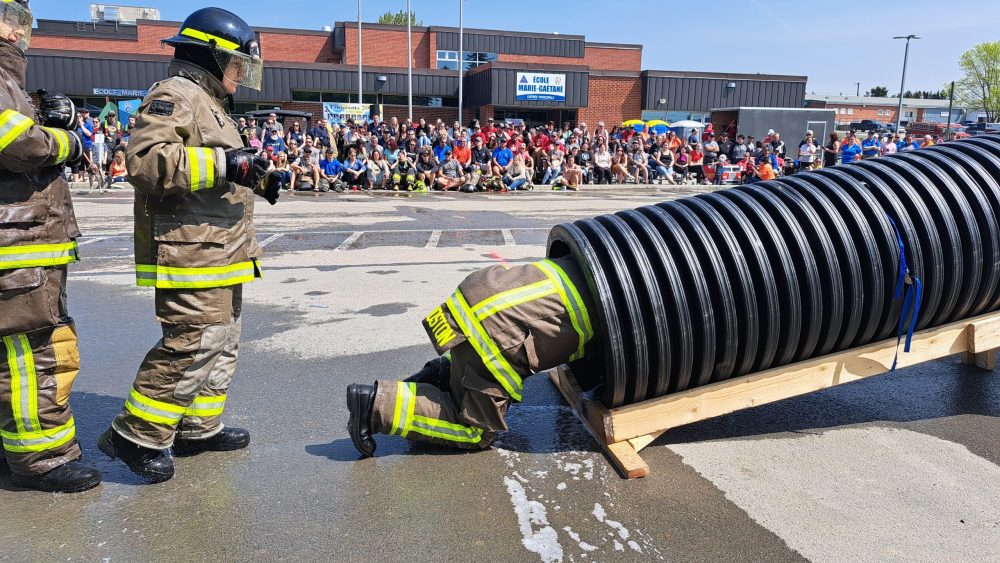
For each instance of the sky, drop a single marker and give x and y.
(835, 44)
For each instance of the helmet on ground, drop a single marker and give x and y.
(15, 23)
(222, 43)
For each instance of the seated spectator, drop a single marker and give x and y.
(554, 171)
(748, 168)
(294, 150)
(253, 141)
(517, 174)
(295, 133)
(584, 160)
(426, 170)
(320, 133)
(602, 164)
(314, 151)
(354, 170)
(275, 141)
(118, 171)
(639, 163)
(305, 174)
(482, 159)
(572, 174)
(463, 154)
(619, 166)
(440, 146)
(451, 175)
(284, 170)
(378, 170)
(330, 172)
(662, 163)
(502, 157)
(404, 174)
(682, 162)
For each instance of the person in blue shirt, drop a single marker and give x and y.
(274, 140)
(871, 147)
(330, 171)
(502, 157)
(439, 150)
(354, 170)
(850, 149)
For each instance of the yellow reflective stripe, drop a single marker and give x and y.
(397, 417)
(572, 302)
(12, 126)
(62, 138)
(202, 163)
(513, 298)
(411, 403)
(39, 440)
(208, 37)
(173, 277)
(488, 351)
(14, 364)
(38, 255)
(207, 406)
(32, 378)
(152, 410)
(446, 430)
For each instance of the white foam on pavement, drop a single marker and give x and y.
(532, 519)
(861, 494)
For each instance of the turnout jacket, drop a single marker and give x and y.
(37, 224)
(193, 229)
(520, 320)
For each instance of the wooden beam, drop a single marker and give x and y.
(656, 415)
(984, 360)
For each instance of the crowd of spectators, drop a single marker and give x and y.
(104, 142)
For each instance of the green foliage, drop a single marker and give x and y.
(979, 87)
(399, 18)
(878, 92)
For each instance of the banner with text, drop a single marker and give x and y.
(338, 114)
(533, 87)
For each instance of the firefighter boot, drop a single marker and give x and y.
(155, 466)
(71, 477)
(360, 400)
(435, 372)
(227, 440)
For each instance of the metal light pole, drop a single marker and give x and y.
(461, 55)
(360, 74)
(858, 85)
(902, 83)
(409, 62)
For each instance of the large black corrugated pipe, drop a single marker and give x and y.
(722, 284)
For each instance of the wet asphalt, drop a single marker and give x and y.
(904, 465)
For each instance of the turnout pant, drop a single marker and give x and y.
(182, 383)
(39, 361)
(466, 410)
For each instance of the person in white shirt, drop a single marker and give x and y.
(807, 153)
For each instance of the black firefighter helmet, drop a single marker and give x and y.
(15, 23)
(222, 43)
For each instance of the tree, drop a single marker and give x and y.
(399, 18)
(878, 92)
(979, 87)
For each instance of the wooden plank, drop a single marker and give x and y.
(656, 415)
(984, 334)
(984, 360)
(623, 455)
(641, 442)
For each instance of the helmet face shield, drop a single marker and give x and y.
(240, 68)
(15, 24)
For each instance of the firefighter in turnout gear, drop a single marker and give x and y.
(500, 326)
(194, 243)
(38, 349)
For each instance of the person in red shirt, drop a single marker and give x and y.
(463, 154)
(708, 132)
(489, 129)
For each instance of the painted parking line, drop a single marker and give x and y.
(91, 241)
(434, 240)
(350, 240)
(508, 238)
(271, 239)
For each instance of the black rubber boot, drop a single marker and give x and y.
(72, 477)
(156, 466)
(436, 372)
(360, 400)
(227, 440)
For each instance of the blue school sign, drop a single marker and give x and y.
(533, 87)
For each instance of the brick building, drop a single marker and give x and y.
(852, 109)
(536, 77)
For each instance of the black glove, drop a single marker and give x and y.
(76, 150)
(245, 168)
(270, 188)
(57, 111)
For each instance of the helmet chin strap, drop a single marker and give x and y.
(232, 103)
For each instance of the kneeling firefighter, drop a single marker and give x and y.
(194, 242)
(38, 348)
(500, 326)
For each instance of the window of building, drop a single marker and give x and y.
(448, 60)
(421, 101)
(850, 111)
(335, 97)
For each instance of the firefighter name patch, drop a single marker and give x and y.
(159, 107)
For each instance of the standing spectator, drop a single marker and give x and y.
(725, 145)
(870, 147)
(320, 134)
(98, 156)
(765, 168)
(330, 171)
(888, 147)
(694, 138)
(909, 144)
(832, 150)
(354, 170)
(378, 171)
(112, 130)
(850, 149)
(273, 123)
(778, 146)
(928, 141)
(450, 174)
(740, 149)
(711, 148)
(85, 129)
(807, 153)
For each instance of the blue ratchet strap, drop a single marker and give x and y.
(911, 297)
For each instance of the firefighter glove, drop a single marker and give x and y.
(57, 111)
(245, 167)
